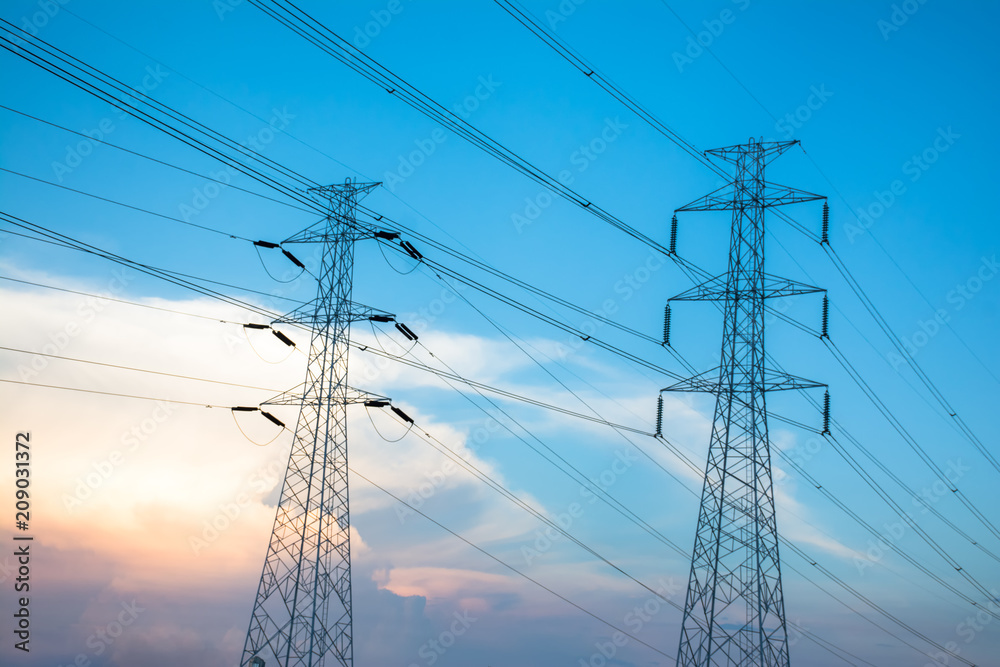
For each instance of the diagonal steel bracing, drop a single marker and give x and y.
(303, 611)
(734, 612)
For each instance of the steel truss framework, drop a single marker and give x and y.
(303, 611)
(734, 612)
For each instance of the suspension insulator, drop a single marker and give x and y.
(673, 235)
(283, 338)
(666, 325)
(826, 413)
(410, 250)
(402, 415)
(272, 418)
(825, 333)
(659, 416)
(293, 259)
(406, 331)
(826, 224)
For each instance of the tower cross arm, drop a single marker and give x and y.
(714, 382)
(357, 231)
(310, 315)
(766, 150)
(299, 396)
(732, 198)
(717, 289)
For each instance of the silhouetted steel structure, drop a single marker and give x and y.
(303, 610)
(734, 613)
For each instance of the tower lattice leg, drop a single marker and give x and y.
(734, 613)
(303, 611)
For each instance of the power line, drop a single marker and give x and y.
(894, 339)
(489, 481)
(894, 546)
(175, 277)
(307, 27)
(855, 286)
(681, 551)
(138, 370)
(509, 495)
(283, 130)
(128, 206)
(132, 101)
(105, 297)
(157, 161)
(511, 567)
(910, 441)
(110, 393)
(856, 593)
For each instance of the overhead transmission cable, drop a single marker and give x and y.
(522, 427)
(5, 47)
(132, 368)
(533, 25)
(487, 479)
(307, 27)
(144, 156)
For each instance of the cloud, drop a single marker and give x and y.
(170, 505)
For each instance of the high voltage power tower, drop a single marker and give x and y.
(734, 613)
(303, 610)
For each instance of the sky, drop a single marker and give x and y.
(151, 518)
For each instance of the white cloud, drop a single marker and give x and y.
(171, 498)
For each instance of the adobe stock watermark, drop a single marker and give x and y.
(7, 568)
(259, 482)
(699, 41)
(892, 533)
(87, 310)
(424, 148)
(913, 169)
(958, 298)
(434, 649)
(546, 538)
(562, 12)
(105, 636)
(434, 481)
(203, 195)
(800, 455)
(930, 495)
(223, 7)
(626, 288)
(425, 316)
(101, 471)
(795, 120)
(796, 631)
(967, 630)
(581, 159)
(290, 279)
(381, 18)
(78, 152)
(898, 17)
(606, 652)
(35, 22)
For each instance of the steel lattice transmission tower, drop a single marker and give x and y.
(303, 609)
(734, 613)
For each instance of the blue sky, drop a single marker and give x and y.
(894, 109)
